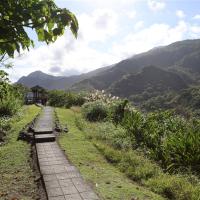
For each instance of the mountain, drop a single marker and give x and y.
(172, 67)
(55, 82)
(151, 78)
(48, 81)
(181, 58)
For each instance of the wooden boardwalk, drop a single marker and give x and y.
(62, 180)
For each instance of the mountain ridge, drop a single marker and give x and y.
(179, 59)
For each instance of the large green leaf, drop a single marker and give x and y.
(43, 16)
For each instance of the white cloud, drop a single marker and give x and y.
(180, 14)
(147, 38)
(195, 31)
(67, 53)
(99, 25)
(196, 16)
(112, 3)
(131, 14)
(156, 5)
(139, 25)
(104, 38)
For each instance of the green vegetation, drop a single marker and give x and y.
(101, 106)
(17, 178)
(95, 111)
(112, 142)
(117, 147)
(11, 100)
(108, 181)
(184, 102)
(167, 138)
(61, 98)
(158, 150)
(163, 136)
(11, 96)
(42, 16)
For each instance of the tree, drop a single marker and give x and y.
(43, 16)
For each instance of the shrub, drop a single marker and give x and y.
(100, 96)
(167, 138)
(142, 170)
(95, 111)
(117, 110)
(79, 100)
(4, 126)
(59, 98)
(10, 102)
(10, 106)
(174, 187)
(182, 148)
(116, 136)
(137, 168)
(133, 122)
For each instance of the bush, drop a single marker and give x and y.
(59, 98)
(11, 100)
(137, 168)
(116, 136)
(4, 126)
(10, 106)
(142, 170)
(174, 187)
(95, 111)
(167, 138)
(117, 110)
(79, 100)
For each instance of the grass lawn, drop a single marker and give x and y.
(106, 179)
(16, 175)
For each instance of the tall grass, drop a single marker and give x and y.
(109, 140)
(169, 139)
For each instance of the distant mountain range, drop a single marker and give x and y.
(55, 82)
(173, 67)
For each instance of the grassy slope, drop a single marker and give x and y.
(108, 181)
(16, 176)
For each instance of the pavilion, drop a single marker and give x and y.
(37, 95)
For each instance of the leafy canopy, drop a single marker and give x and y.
(43, 16)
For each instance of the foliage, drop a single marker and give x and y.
(115, 106)
(185, 102)
(61, 98)
(133, 163)
(164, 136)
(117, 110)
(167, 138)
(107, 132)
(5, 125)
(101, 96)
(57, 98)
(17, 178)
(11, 97)
(174, 187)
(42, 16)
(110, 182)
(95, 111)
(142, 170)
(21, 90)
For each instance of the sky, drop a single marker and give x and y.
(110, 31)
